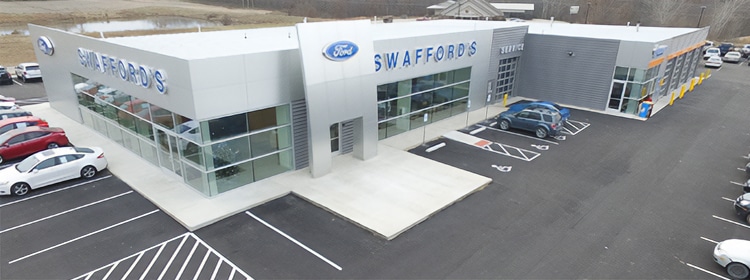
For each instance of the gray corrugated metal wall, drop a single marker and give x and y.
(504, 37)
(548, 72)
(500, 38)
(299, 132)
(347, 137)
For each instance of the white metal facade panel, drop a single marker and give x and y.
(336, 91)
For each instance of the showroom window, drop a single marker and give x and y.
(402, 105)
(630, 86)
(212, 156)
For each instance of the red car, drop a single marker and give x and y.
(19, 122)
(28, 140)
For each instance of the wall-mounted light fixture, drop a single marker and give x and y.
(571, 53)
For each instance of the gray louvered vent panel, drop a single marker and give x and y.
(347, 137)
(299, 128)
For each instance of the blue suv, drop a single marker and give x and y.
(543, 122)
(564, 112)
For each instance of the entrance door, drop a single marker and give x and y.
(335, 138)
(169, 157)
(615, 97)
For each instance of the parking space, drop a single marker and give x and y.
(76, 226)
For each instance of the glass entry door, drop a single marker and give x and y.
(169, 157)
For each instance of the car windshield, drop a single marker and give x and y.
(32, 68)
(27, 164)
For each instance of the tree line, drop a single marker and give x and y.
(727, 18)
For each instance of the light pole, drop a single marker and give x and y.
(703, 8)
(588, 7)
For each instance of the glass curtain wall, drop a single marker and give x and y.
(630, 86)
(212, 156)
(402, 105)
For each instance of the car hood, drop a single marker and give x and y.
(9, 173)
(737, 249)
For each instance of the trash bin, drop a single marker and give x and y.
(645, 111)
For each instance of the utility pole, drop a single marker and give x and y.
(588, 7)
(703, 8)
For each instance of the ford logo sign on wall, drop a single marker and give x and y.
(45, 45)
(340, 51)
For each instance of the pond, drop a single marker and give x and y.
(116, 25)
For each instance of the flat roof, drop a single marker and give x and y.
(199, 45)
(614, 32)
(396, 30)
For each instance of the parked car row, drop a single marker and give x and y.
(734, 254)
(23, 72)
(47, 160)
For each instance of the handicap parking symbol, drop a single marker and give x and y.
(502, 168)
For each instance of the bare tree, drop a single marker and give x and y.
(662, 12)
(611, 11)
(723, 12)
(553, 8)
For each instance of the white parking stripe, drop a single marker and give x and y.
(203, 263)
(83, 236)
(727, 199)
(65, 188)
(730, 221)
(706, 271)
(709, 240)
(523, 135)
(64, 212)
(293, 240)
(739, 184)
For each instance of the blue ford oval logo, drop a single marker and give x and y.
(340, 51)
(45, 45)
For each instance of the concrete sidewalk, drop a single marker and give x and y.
(386, 195)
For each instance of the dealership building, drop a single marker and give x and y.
(222, 110)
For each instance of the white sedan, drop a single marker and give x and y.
(50, 167)
(734, 255)
(732, 57)
(714, 61)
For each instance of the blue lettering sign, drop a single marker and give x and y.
(161, 81)
(127, 71)
(378, 64)
(392, 59)
(340, 51)
(407, 60)
(429, 54)
(439, 54)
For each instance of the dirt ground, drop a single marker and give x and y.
(15, 15)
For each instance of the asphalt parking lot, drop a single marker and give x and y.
(616, 198)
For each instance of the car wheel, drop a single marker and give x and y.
(19, 189)
(1, 159)
(23, 79)
(541, 132)
(88, 171)
(504, 124)
(52, 145)
(747, 218)
(738, 271)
